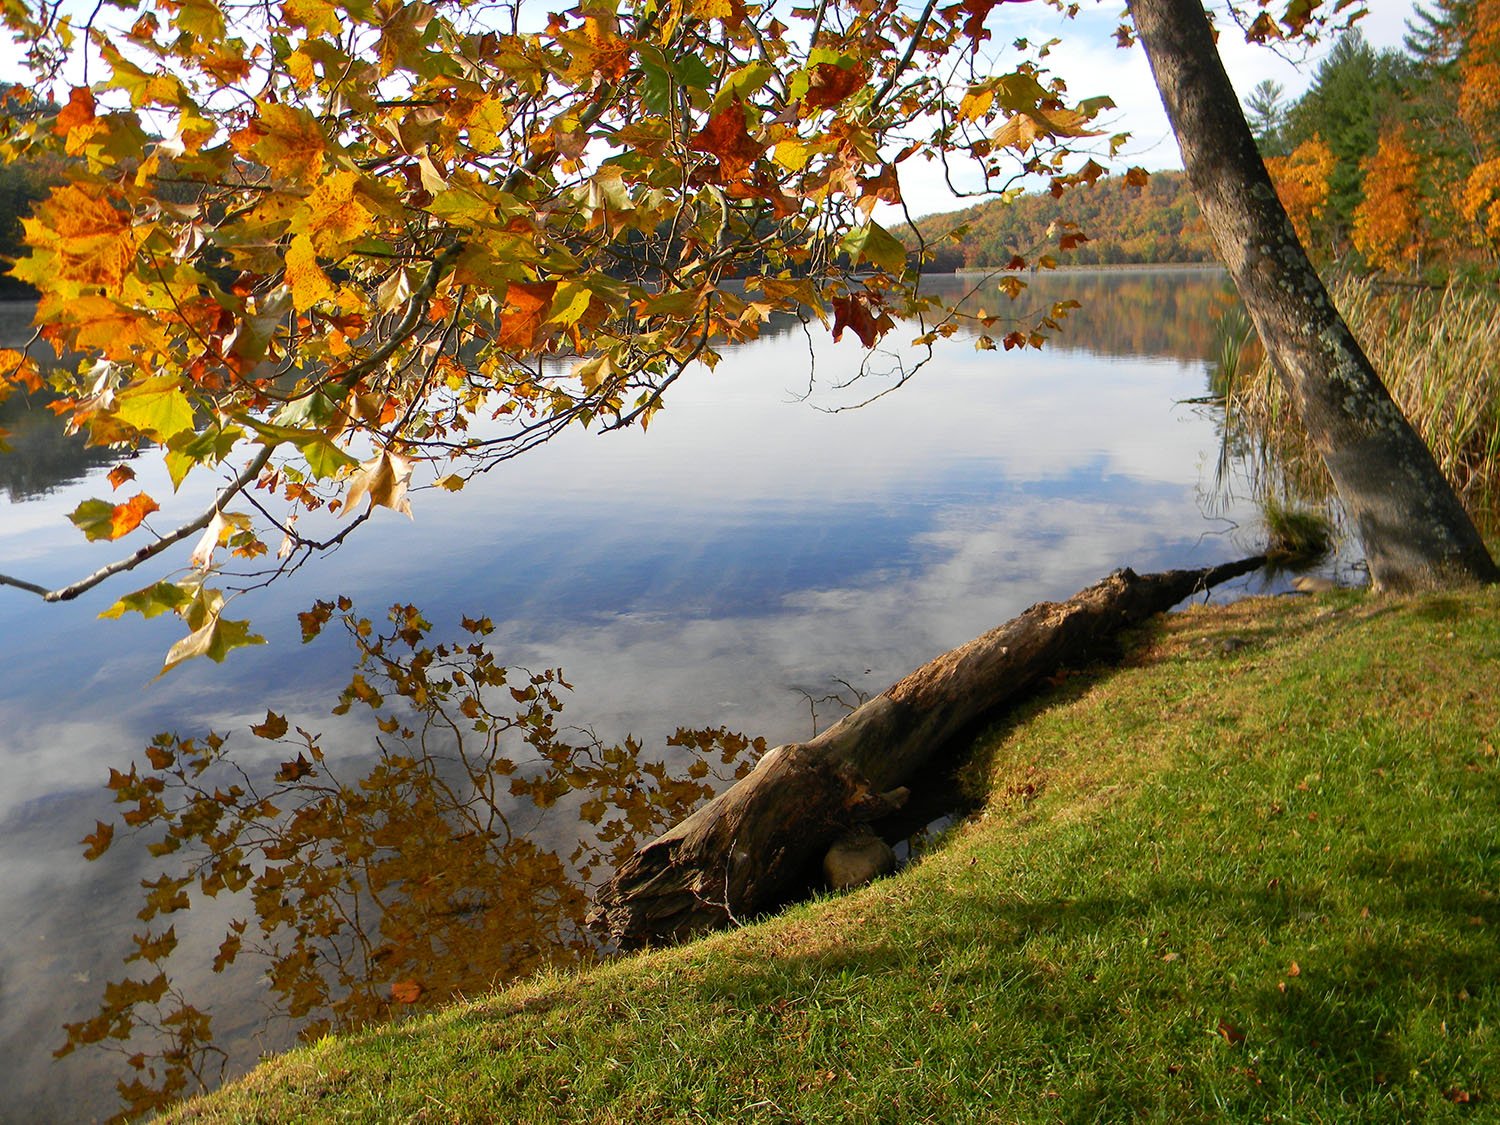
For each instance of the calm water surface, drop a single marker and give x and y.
(750, 547)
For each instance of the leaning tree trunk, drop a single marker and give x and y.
(1414, 529)
(759, 843)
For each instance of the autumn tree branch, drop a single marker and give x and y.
(130, 562)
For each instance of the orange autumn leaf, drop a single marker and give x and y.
(831, 84)
(86, 237)
(1387, 221)
(78, 111)
(20, 369)
(726, 140)
(1302, 182)
(287, 140)
(119, 475)
(406, 991)
(526, 307)
(128, 516)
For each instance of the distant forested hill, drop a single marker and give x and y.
(1157, 222)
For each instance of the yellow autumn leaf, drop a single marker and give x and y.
(308, 283)
(82, 237)
(335, 218)
(287, 140)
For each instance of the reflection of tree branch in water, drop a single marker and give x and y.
(845, 703)
(405, 883)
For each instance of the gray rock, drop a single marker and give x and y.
(857, 857)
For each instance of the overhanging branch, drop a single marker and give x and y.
(130, 562)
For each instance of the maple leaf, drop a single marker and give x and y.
(128, 516)
(99, 840)
(854, 312)
(287, 140)
(884, 187)
(99, 519)
(295, 770)
(831, 84)
(78, 112)
(119, 475)
(273, 728)
(308, 283)
(527, 305)
(336, 216)
(726, 139)
(157, 408)
(382, 480)
(81, 236)
(212, 636)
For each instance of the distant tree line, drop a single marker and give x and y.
(1123, 223)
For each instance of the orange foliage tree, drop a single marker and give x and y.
(1301, 180)
(1479, 108)
(338, 249)
(1388, 221)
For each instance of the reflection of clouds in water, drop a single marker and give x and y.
(644, 672)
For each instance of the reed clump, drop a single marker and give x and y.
(1437, 352)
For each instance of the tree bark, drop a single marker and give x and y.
(1415, 531)
(760, 843)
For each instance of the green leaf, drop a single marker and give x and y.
(188, 449)
(95, 518)
(874, 244)
(157, 408)
(324, 458)
(309, 411)
(153, 601)
(656, 84)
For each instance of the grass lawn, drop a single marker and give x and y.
(1252, 876)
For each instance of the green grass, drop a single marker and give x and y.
(1253, 876)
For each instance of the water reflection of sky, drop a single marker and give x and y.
(747, 546)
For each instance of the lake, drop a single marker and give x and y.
(752, 550)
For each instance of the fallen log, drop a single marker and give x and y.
(760, 843)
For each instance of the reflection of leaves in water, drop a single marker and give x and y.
(437, 871)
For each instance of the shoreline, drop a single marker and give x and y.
(1120, 267)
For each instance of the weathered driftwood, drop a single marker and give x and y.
(760, 842)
